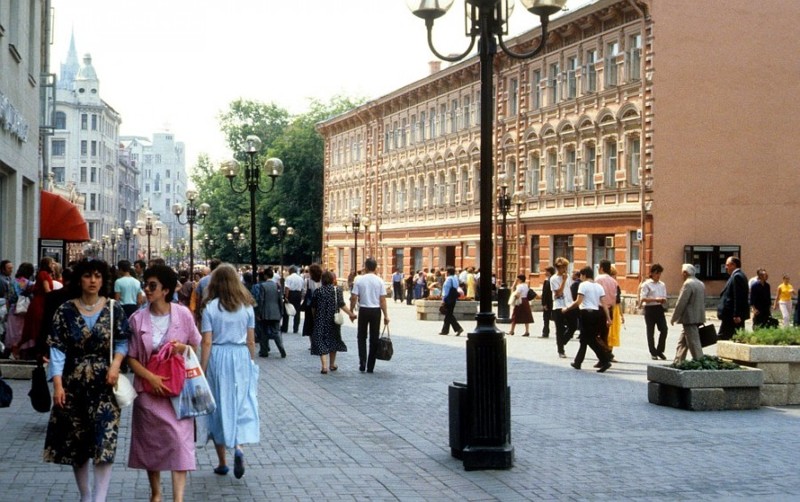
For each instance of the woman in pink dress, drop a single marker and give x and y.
(159, 440)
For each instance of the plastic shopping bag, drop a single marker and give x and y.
(195, 399)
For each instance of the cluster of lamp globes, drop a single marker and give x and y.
(433, 9)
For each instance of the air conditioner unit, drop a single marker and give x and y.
(609, 242)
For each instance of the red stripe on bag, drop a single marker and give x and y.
(193, 373)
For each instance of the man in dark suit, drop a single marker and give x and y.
(761, 299)
(734, 308)
(269, 310)
(547, 301)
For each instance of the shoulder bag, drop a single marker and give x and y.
(23, 302)
(40, 391)
(168, 364)
(124, 392)
(384, 350)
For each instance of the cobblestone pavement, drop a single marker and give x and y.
(578, 435)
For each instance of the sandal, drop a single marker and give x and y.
(334, 368)
(324, 371)
(222, 470)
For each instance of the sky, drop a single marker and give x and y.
(176, 64)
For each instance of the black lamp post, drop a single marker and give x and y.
(149, 227)
(194, 214)
(280, 232)
(127, 230)
(505, 205)
(208, 243)
(236, 237)
(355, 222)
(252, 177)
(486, 428)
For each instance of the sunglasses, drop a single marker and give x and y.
(152, 286)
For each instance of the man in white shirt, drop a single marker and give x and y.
(293, 291)
(370, 294)
(562, 298)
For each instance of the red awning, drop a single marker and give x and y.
(61, 219)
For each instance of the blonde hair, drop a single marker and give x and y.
(226, 286)
(561, 262)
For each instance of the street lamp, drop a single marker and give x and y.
(355, 222)
(252, 177)
(149, 227)
(127, 230)
(208, 243)
(487, 425)
(280, 232)
(235, 238)
(194, 214)
(505, 206)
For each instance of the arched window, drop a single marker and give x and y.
(61, 120)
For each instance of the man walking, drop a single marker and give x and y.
(761, 299)
(397, 285)
(562, 298)
(733, 309)
(449, 297)
(127, 289)
(269, 310)
(293, 292)
(547, 301)
(370, 295)
(690, 311)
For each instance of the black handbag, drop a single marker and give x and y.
(443, 308)
(40, 391)
(384, 350)
(6, 394)
(708, 335)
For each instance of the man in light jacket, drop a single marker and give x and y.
(690, 311)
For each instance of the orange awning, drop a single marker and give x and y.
(61, 219)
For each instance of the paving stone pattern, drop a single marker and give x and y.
(578, 435)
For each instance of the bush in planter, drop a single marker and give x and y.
(705, 363)
(769, 336)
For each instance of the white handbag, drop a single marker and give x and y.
(338, 318)
(290, 310)
(124, 392)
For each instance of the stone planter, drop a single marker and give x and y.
(17, 370)
(428, 310)
(703, 390)
(780, 364)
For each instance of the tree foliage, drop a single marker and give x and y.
(297, 195)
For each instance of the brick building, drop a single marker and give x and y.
(647, 131)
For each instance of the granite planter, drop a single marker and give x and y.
(704, 390)
(780, 364)
(428, 310)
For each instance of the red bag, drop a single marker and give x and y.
(167, 363)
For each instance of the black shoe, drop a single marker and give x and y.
(458, 333)
(362, 369)
(604, 367)
(283, 354)
(370, 371)
(577, 367)
(662, 356)
(545, 336)
(443, 334)
(265, 354)
(598, 365)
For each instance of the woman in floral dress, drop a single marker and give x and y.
(326, 339)
(84, 421)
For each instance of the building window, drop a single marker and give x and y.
(83, 174)
(441, 192)
(553, 81)
(551, 172)
(442, 120)
(602, 249)
(431, 198)
(59, 147)
(532, 176)
(158, 158)
(611, 163)
(572, 77)
(709, 261)
(169, 173)
(563, 247)
(634, 57)
(571, 171)
(94, 175)
(633, 252)
(61, 120)
(535, 255)
(147, 187)
(589, 166)
(451, 187)
(421, 133)
(167, 205)
(612, 49)
(412, 137)
(94, 148)
(58, 174)
(148, 158)
(420, 194)
(432, 123)
(403, 132)
(464, 191)
(84, 147)
(454, 116)
(467, 112)
(590, 72)
(84, 121)
(94, 122)
(93, 202)
(536, 90)
(633, 160)
(513, 89)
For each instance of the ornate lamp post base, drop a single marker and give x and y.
(503, 309)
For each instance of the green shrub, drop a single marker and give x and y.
(770, 336)
(706, 363)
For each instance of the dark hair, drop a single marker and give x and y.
(3, 264)
(587, 272)
(656, 268)
(46, 264)
(269, 273)
(326, 278)
(183, 275)
(522, 277)
(451, 270)
(292, 269)
(550, 270)
(25, 270)
(67, 275)
(214, 263)
(156, 261)
(166, 276)
(605, 266)
(315, 272)
(736, 261)
(124, 266)
(87, 266)
(142, 264)
(370, 264)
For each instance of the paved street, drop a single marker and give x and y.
(578, 435)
